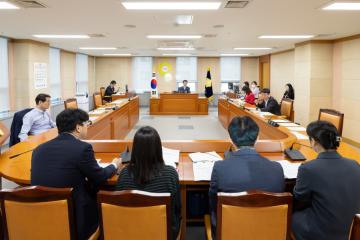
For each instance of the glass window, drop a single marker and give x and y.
(4, 76)
(55, 82)
(141, 73)
(230, 69)
(186, 69)
(82, 73)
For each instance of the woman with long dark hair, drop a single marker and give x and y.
(148, 172)
(249, 96)
(289, 92)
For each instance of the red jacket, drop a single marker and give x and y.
(250, 98)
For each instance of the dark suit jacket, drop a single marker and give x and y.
(243, 170)
(16, 126)
(272, 106)
(184, 89)
(329, 188)
(68, 162)
(109, 91)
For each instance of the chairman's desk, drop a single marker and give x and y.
(178, 104)
(271, 138)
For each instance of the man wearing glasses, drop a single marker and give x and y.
(38, 119)
(67, 161)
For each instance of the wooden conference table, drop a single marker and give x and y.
(271, 143)
(179, 104)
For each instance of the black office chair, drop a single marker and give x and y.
(16, 126)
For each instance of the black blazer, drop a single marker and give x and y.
(329, 188)
(272, 106)
(16, 126)
(184, 89)
(109, 91)
(68, 162)
(243, 170)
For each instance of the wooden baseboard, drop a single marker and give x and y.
(351, 142)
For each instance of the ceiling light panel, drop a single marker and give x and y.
(98, 48)
(60, 36)
(175, 49)
(184, 19)
(253, 48)
(286, 36)
(174, 36)
(8, 5)
(347, 6)
(171, 5)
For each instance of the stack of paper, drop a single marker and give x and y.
(103, 165)
(281, 120)
(202, 170)
(97, 111)
(203, 164)
(171, 156)
(290, 169)
(299, 135)
(92, 118)
(204, 157)
(297, 128)
(288, 124)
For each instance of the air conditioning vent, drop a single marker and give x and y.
(96, 35)
(236, 4)
(210, 35)
(29, 4)
(175, 44)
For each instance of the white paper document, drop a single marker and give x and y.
(204, 157)
(288, 124)
(103, 165)
(171, 156)
(97, 111)
(266, 114)
(297, 128)
(290, 169)
(202, 170)
(281, 121)
(299, 135)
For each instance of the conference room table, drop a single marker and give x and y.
(272, 141)
(178, 104)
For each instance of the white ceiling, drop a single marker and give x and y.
(241, 26)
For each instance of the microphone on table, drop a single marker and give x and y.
(294, 154)
(16, 155)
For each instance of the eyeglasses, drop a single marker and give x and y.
(87, 123)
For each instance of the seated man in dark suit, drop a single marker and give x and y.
(67, 161)
(109, 91)
(327, 192)
(184, 88)
(267, 103)
(243, 169)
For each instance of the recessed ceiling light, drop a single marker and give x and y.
(175, 49)
(98, 48)
(174, 36)
(60, 36)
(286, 36)
(234, 54)
(184, 19)
(254, 48)
(171, 5)
(7, 5)
(343, 6)
(117, 54)
(176, 54)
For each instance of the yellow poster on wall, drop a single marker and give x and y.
(164, 68)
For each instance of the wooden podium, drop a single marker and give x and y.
(179, 104)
